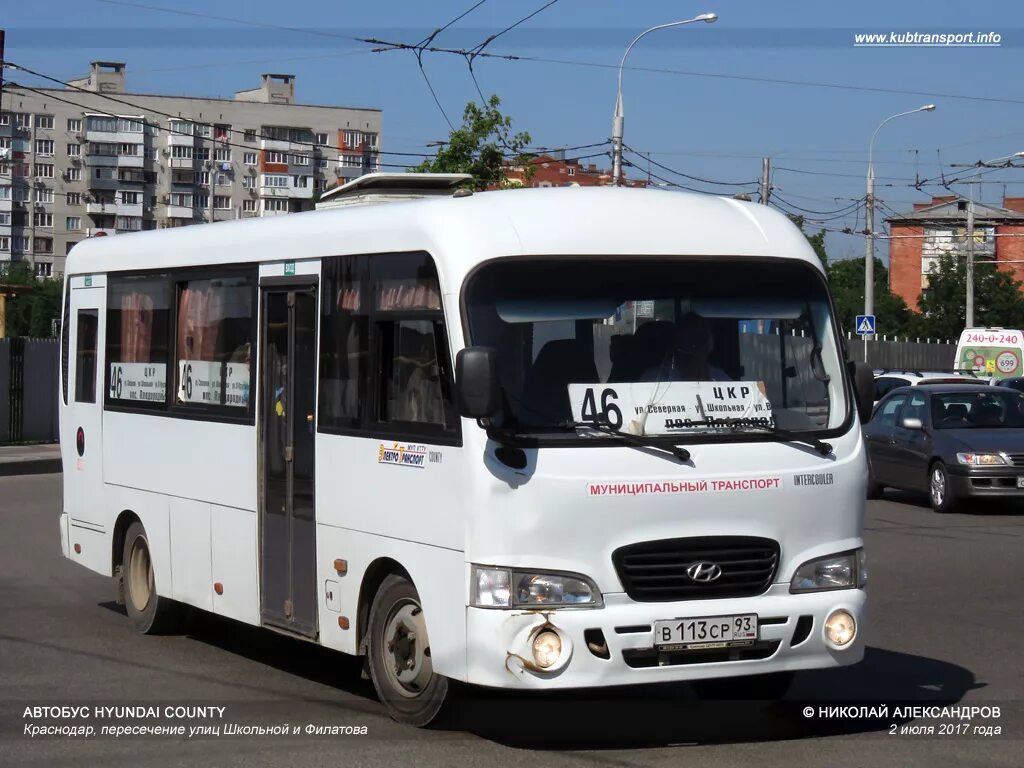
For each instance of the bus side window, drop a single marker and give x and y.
(85, 356)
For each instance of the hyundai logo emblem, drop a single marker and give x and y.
(703, 571)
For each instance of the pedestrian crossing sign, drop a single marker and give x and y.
(865, 325)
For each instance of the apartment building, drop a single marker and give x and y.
(93, 160)
(554, 170)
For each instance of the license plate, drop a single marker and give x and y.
(706, 632)
(1020, 481)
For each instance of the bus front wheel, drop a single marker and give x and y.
(150, 613)
(399, 655)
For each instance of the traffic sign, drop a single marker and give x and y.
(865, 325)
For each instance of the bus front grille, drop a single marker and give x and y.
(656, 571)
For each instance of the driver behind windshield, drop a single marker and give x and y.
(687, 360)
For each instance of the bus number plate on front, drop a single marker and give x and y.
(706, 632)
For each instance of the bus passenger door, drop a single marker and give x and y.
(82, 438)
(287, 399)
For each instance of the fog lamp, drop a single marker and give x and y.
(547, 647)
(840, 628)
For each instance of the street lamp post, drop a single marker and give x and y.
(618, 119)
(869, 251)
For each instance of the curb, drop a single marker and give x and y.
(30, 467)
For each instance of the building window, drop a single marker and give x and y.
(369, 140)
(75, 125)
(43, 220)
(73, 223)
(74, 150)
(277, 157)
(130, 150)
(138, 325)
(73, 198)
(222, 132)
(68, 246)
(85, 355)
(300, 182)
(44, 269)
(131, 198)
(250, 134)
(44, 170)
(222, 180)
(181, 199)
(248, 182)
(73, 174)
(250, 158)
(181, 152)
(321, 139)
(249, 206)
(101, 124)
(350, 161)
(202, 153)
(19, 244)
(181, 127)
(5, 244)
(128, 223)
(222, 155)
(44, 195)
(222, 202)
(130, 125)
(43, 244)
(201, 201)
(300, 159)
(5, 219)
(44, 147)
(214, 341)
(44, 121)
(275, 181)
(149, 153)
(275, 206)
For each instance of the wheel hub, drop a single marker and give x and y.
(407, 650)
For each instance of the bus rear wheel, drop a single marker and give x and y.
(150, 613)
(399, 655)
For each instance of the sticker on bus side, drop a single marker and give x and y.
(660, 487)
(403, 455)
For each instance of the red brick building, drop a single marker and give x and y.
(552, 171)
(920, 237)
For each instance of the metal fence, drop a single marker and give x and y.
(29, 388)
(907, 355)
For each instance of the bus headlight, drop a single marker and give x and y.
(506, 588)
(843, 571)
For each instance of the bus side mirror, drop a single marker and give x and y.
(476, 379)
(863, 388)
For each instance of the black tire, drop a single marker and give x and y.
(939, 493)
(413, 695)
(150, 613)
(770, 687)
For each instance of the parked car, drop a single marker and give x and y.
(951, 441)
(887, 379)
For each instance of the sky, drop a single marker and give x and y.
(768, 79)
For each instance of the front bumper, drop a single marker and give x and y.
(986, 481)
(499, 641)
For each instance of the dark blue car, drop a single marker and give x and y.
(952, 442)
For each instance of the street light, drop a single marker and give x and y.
(618, 117)
(869, 251)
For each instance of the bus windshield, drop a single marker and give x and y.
(659, 346)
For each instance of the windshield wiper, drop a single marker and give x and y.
(792, 437)
(641, 442)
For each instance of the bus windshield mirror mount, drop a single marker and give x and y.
(476, 377)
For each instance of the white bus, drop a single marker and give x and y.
(994, 352)
(533, 439)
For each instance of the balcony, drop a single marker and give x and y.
(186, 163)
(115, 137)
(290, 193)
(279, 145)
(128, 209)
(101, 161)
(102, 208)
(6, 205)
(178, 140)
(130, 161)
(178, 212)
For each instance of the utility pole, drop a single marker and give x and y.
(970, 263)
(766, 176)
(212, 175)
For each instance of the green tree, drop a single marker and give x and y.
(997, 298)
(892, 315)
(31, 312)
(479, 147)
(846, 282)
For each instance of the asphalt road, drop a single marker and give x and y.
(946, 627)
